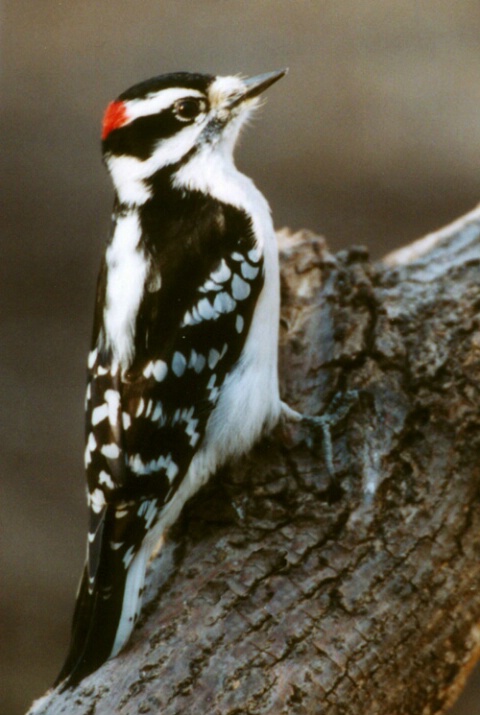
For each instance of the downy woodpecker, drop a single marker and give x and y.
(182, 373)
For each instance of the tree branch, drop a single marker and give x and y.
(285, 592)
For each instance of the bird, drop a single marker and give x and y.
(182, 371)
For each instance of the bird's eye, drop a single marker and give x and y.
(187, 109)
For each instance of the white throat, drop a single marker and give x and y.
(212, 171)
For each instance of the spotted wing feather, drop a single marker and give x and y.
(143, 428)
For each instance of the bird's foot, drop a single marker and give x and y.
(338, 409)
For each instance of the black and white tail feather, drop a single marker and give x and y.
(182, 374)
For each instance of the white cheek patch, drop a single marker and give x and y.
(130, 175)
(171, 150)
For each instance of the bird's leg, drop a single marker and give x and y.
(338, 409)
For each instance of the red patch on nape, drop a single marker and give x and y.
(115, 116)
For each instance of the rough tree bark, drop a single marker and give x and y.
(292, 593)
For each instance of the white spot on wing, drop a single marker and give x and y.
(200, 363)
(158, 412)
(172, 471)
(214, 391)
(115, 545)
(112, 399)
(224, 303)
(139, 467)
(99, 413)
(222, 273)
(208, 286)
(240, 289)
(96, 501)
(179, 364)
(91, 446)
(239, 323)
(160, 369)
(126, 420)
(136, 465)
(187, 319)
(254, 255)
(194, 439)
(205, 309)
(105, 478)
(110, 451)
(248, 271)
(196, 318)
(191, 427)
(213, 358)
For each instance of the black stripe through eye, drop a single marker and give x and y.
(141, 136)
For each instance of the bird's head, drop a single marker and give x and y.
(166, 120)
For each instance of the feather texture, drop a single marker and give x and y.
(182, 373)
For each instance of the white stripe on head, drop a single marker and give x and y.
(156, 102)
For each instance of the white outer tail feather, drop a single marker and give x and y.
(132, 598)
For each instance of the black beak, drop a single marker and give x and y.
(256, 85)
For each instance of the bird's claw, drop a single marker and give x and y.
(338, 409)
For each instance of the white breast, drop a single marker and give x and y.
(249, 398)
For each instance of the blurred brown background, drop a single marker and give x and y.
(372, 138)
